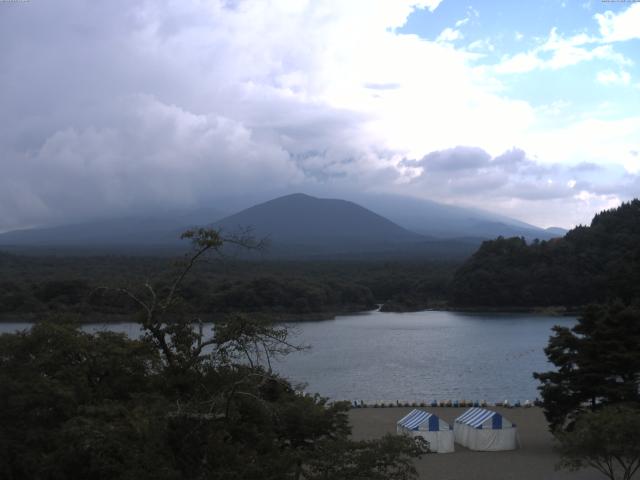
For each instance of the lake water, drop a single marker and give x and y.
(419, 356)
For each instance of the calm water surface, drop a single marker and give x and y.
(417, 356)
(424, 356)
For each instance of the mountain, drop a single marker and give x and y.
(557, 231)
(160, 231)
(597, 263)
(297, 225)
(439, 220)
(301, 222)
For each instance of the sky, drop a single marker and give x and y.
(529, 109)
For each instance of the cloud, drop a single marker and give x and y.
(122, 107)
(452, 160)
(569, 51)
(118, 107)
(300, 85)
(158, 155)
(619, 27)
(449, 35)
(482, 45)
(512, 181)
(472, 172)
(382, 86)
(609, 77)
(558, 52)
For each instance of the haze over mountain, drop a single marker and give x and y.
(300, 225)
(114, 232)
(449, 221)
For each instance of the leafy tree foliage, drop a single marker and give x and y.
(390, 457)
(67, 399)
(598, 363)
(36, 286)
(607, 440)
(590, 264)
(179, 403)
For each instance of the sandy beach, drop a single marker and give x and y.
(535, 460)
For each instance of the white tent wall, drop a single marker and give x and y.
(439, 442)
(437, 432)
(486, 440)
(484, 430)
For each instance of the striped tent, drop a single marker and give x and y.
(437, 432)
(486, 430)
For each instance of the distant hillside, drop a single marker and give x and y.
(300, 222)
(298, 226)
(118, 232)
(589, 264)
(449, 221)
(557, 231)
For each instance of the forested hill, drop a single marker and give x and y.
(589, 264)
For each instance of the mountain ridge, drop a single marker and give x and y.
(298, 225)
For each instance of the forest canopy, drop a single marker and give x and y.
(178, 403)
(590, 264)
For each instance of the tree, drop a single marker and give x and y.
(71, 403)
(179, 341)
(598, 363)
(596, 263)
(607, 440)
(388, 458)
(177, 404)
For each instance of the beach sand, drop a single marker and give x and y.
(535, 460)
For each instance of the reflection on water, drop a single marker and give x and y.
(417, 356)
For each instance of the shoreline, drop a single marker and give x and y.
(557, 311)
(115, 318)
(285, 317)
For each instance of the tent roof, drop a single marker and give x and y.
(416, 418)
(475, 417)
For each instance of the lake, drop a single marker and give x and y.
(418, 356)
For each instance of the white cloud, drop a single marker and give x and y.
(609, 77)
(449, 35)
(483, 45)
(564, 52)
(620, 27)
(554, 109)
(607, 143)
(568, 51)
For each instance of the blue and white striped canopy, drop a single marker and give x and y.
(476, 417)
(416, 418)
